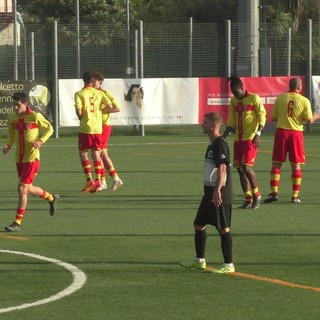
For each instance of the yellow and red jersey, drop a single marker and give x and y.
(115, 104)
(23, 130)
(91, 102)
(246, 115)
(290, 110)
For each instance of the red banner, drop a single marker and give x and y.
(214, 93)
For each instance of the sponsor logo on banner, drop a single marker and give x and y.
(215, 94)
(39, 98)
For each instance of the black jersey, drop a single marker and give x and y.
(218, 153)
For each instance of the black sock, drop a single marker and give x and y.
(226, 246)
(200, 239)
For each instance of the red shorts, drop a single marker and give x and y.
(106, 133)
(245, 153)
(27, 171)
(288, 141)
(89, 141)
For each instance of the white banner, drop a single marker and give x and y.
(142, 101)
(316, 93)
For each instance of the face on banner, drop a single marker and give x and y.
(135, 95)
(133, 101)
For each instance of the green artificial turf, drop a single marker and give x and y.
(129, 243)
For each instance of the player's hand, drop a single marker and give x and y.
(37, 144)
(217, 199)
(256, 141)
(316, 116)
(6, 148)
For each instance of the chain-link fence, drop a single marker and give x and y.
(169, 50)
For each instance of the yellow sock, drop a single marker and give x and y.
(47, 196)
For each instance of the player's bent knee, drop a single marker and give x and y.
(224, 230)
(199, 228)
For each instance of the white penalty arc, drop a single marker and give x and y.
(79, 279)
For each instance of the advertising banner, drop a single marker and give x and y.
(39, 98)
(149, 101)
(142, 101)
(214, 93)
(316, 93)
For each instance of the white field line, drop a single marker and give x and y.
(79, 279)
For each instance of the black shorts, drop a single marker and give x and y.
(208, 213)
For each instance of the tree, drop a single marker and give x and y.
(280, 18)
(295, 7)
(45, 11)
(114, 11)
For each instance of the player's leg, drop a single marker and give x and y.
(95, 154)
(84, 143)
(107, 162)
(21, 209)
(223, 227)
(200, 238)
(86, 166)
(296, 179)
(245, 185)
(275, 175)
(103, 185)
(26, 173)
(106, 131)
(249, 154)
(251, 176)
(296, 157)
(52, 199)
(226, 248)
(279, 155)
(200, 234)
(109, 167)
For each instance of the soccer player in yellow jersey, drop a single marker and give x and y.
(290, 110)
(90, 103)
(24, 127)
(248, 116)
(106, 132)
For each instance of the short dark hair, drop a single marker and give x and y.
(90, 76)
(235, 81)
(20, 96)
(97, 75)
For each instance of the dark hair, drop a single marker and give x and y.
(142, 92)
(20, 96)
(235, 82)
(127, 97)
(90, 76)
(214, 117)
(98, 76)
